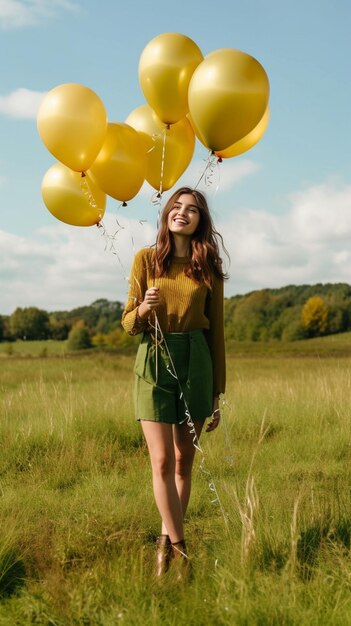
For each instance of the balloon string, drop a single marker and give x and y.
(110, 241)
(207, 174)
(85, 188)
(163, 159)
(157, 203)
(156, 200)
(218, 161)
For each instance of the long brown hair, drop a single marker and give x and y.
(205, 260)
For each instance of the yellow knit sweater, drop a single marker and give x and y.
(185, 305)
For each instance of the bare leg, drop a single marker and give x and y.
(184, 454)
(159, 439)
(184, 451)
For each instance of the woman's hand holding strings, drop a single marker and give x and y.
(216, 416)
(151, 301)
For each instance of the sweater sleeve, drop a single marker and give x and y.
(131, 321)
(215, 335)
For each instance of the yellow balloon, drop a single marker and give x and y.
(247, 142)
(174, 145)
(120, 166)
(72, 124)
(165, 68)
(71, 198)
(228, 95)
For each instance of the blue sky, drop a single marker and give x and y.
(284, 207)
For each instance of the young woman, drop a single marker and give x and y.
(176, 301)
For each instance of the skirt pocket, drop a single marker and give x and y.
(154, 365)
(140, 359)
(144, 366)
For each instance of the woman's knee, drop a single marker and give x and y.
(184, 464)
(162, 465)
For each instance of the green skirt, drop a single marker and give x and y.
(173, 379)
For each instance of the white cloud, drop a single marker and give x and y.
(60, 267)
(323, 212)
(23, 13)
(310, 243)
(232, 172)
(21, 103)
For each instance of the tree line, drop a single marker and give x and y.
(289, 313)
(84, 326)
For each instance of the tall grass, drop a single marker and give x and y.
(271, 544)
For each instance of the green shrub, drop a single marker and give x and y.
(79, 337)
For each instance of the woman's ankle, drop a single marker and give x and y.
(179, 549)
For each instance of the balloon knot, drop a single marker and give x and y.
(219, 160)
(168, 126)
(124, 203)
(158, 195)
(83, 174)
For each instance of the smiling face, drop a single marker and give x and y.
(184, 216)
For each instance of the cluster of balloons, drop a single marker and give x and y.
(221, 99)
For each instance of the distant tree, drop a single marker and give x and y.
(338, 319)
(114, 338)
(315, 316)
(118, 338)
(288, 326)
(59, 328)
(2, 328)
(7, 335)
(339, 311)
(79, 337)
(293, 331)
(230, 305)
(253, 316)
(29, 323)
(103, 326)
(100, 317)
(99, 340)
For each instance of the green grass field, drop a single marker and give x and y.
(269, 523)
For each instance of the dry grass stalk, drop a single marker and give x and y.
(248, 510)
